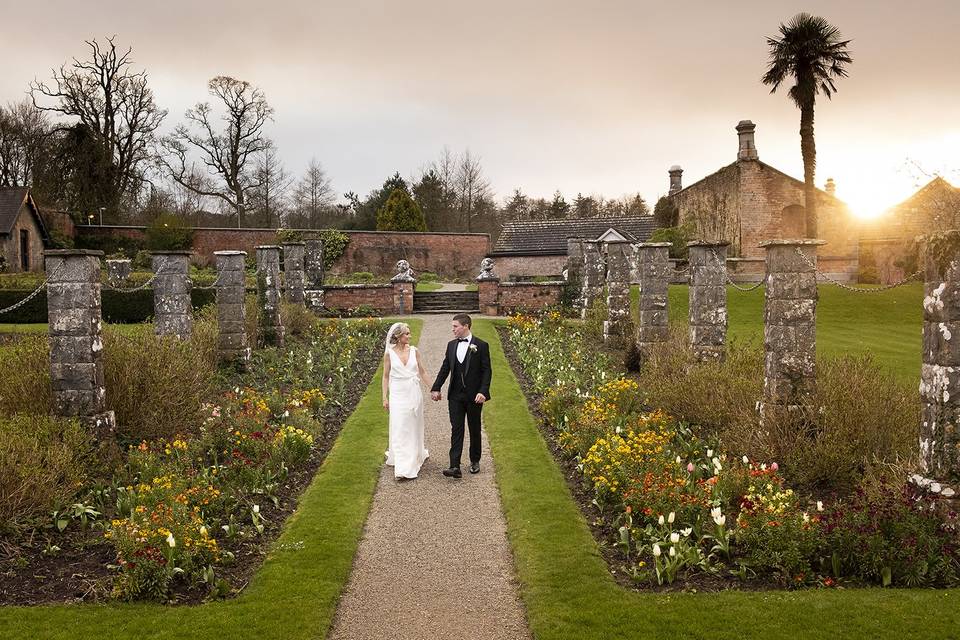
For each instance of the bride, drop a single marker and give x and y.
(403, 399)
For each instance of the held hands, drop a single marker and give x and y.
(435, 395)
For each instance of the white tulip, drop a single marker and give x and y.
(256, 508)
(715, 513)
(671, 517)
(709, 453)
(660, 520)
(935, 487)
(948, 493)
(656, 550)
(673, 552)
(746, 460)
(171, 540)
(686, 532)
(819, 505)
(674, 537)
(720, 520)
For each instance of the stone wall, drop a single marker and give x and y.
(509, 267)
(448, 254)
(528, 296)
(342, 297)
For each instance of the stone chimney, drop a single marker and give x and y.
(675, 183)
(830, 187)
(748, 149)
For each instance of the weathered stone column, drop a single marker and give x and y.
(940, 371)
(232, 345)
(575, 270)
(708, 300)
(653, 271)
(270, 324)
(618, 323)
(488, 288)
(76, 342)
(293, 275)
(314, 273)
(118, 271)
(403, 285)
(594, 275)
(172, 308)
(789, 325)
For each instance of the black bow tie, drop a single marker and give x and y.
(463, 339)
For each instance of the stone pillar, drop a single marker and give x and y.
(404, 284)
(314, 271)
(594, 275)
(789, 325)
(653, 269)
(708, 300)
(575, 270)
(293, 273)
(270, 324)
(488, 288)
(618, 320)
(940, 371)
(232, 345)
(172, 308)
(76, 342)
(676, 179)
(748, 147)
(118, 271)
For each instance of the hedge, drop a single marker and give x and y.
(116, 307)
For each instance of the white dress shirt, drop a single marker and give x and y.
(462, 348)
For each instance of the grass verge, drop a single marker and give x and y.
(293, 596)
(569, 593)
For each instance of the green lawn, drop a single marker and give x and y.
(569, 593)
(886, 324)
(424, 287)
(294, 594)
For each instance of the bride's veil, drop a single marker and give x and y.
(390, 332)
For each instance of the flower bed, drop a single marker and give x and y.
(673, 509)
(189, 517)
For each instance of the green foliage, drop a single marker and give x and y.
(334, 244)
(109, 244)
(44, 464)
(25, 371)
(168, 233)
(678, 236)
(117, 307)
(400, 213)
(665, 213)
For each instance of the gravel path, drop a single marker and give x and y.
(434, 561)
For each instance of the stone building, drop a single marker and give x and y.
(22, 232)
(887, 248)
(748, 202)
(528, 248)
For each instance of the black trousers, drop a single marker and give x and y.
(464, 408)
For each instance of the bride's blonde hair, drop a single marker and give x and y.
(402, 327)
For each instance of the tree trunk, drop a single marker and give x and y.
(808, 149)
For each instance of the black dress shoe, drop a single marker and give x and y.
(453, 472)
(474, 467)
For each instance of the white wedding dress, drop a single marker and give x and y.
(406, 452)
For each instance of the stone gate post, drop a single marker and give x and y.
(270, 324)
(232, 345)
(708, 300)
(789, 324)
(404, 284)
(172, 308)
(76, 341)
(940, 371)
(575, 263)
(594, 275)
(313, 272)
(293, 272)
(653, 271)
(618, 323)
(488, 288)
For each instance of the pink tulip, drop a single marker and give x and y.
(774, 466)
(689, 467)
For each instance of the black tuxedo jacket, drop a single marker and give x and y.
(474, 374)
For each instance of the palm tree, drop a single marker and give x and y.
(811, 52)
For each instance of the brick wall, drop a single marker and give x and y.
(508, 267)
(448, 254)
(377, 296)
(522, 296)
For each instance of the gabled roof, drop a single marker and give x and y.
(734, 164)
(549, 237)
(12, 200)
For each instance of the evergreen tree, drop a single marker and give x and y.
(400, 213)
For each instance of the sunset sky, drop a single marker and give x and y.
(594, 97)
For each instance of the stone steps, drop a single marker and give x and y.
(446, 302)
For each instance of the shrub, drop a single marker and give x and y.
(168, 233)
(297, 319)
(400, 213)
(25, 371)
(44, 464)
(678, 236)
(428, 276)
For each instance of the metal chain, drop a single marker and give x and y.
(34, 293)
(842, 285)
(209, 286)
(726, 274)
(137, 288)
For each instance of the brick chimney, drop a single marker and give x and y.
(748, 149)
(830, 187)
(675, 183)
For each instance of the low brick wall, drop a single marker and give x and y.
(351, 296)
(528, 296)
(509, 267)
(447, 254)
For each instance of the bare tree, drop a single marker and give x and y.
(115, 104)
(472, 189)
(228, 153)
(269, 197)
(313, 197)
(25, 138)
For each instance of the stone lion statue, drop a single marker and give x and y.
(486, 269)
(404, 272)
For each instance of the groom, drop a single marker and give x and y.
(467, 362)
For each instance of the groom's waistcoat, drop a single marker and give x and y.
(458, 381)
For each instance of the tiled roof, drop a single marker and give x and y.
(11, 199)
(549, 237)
